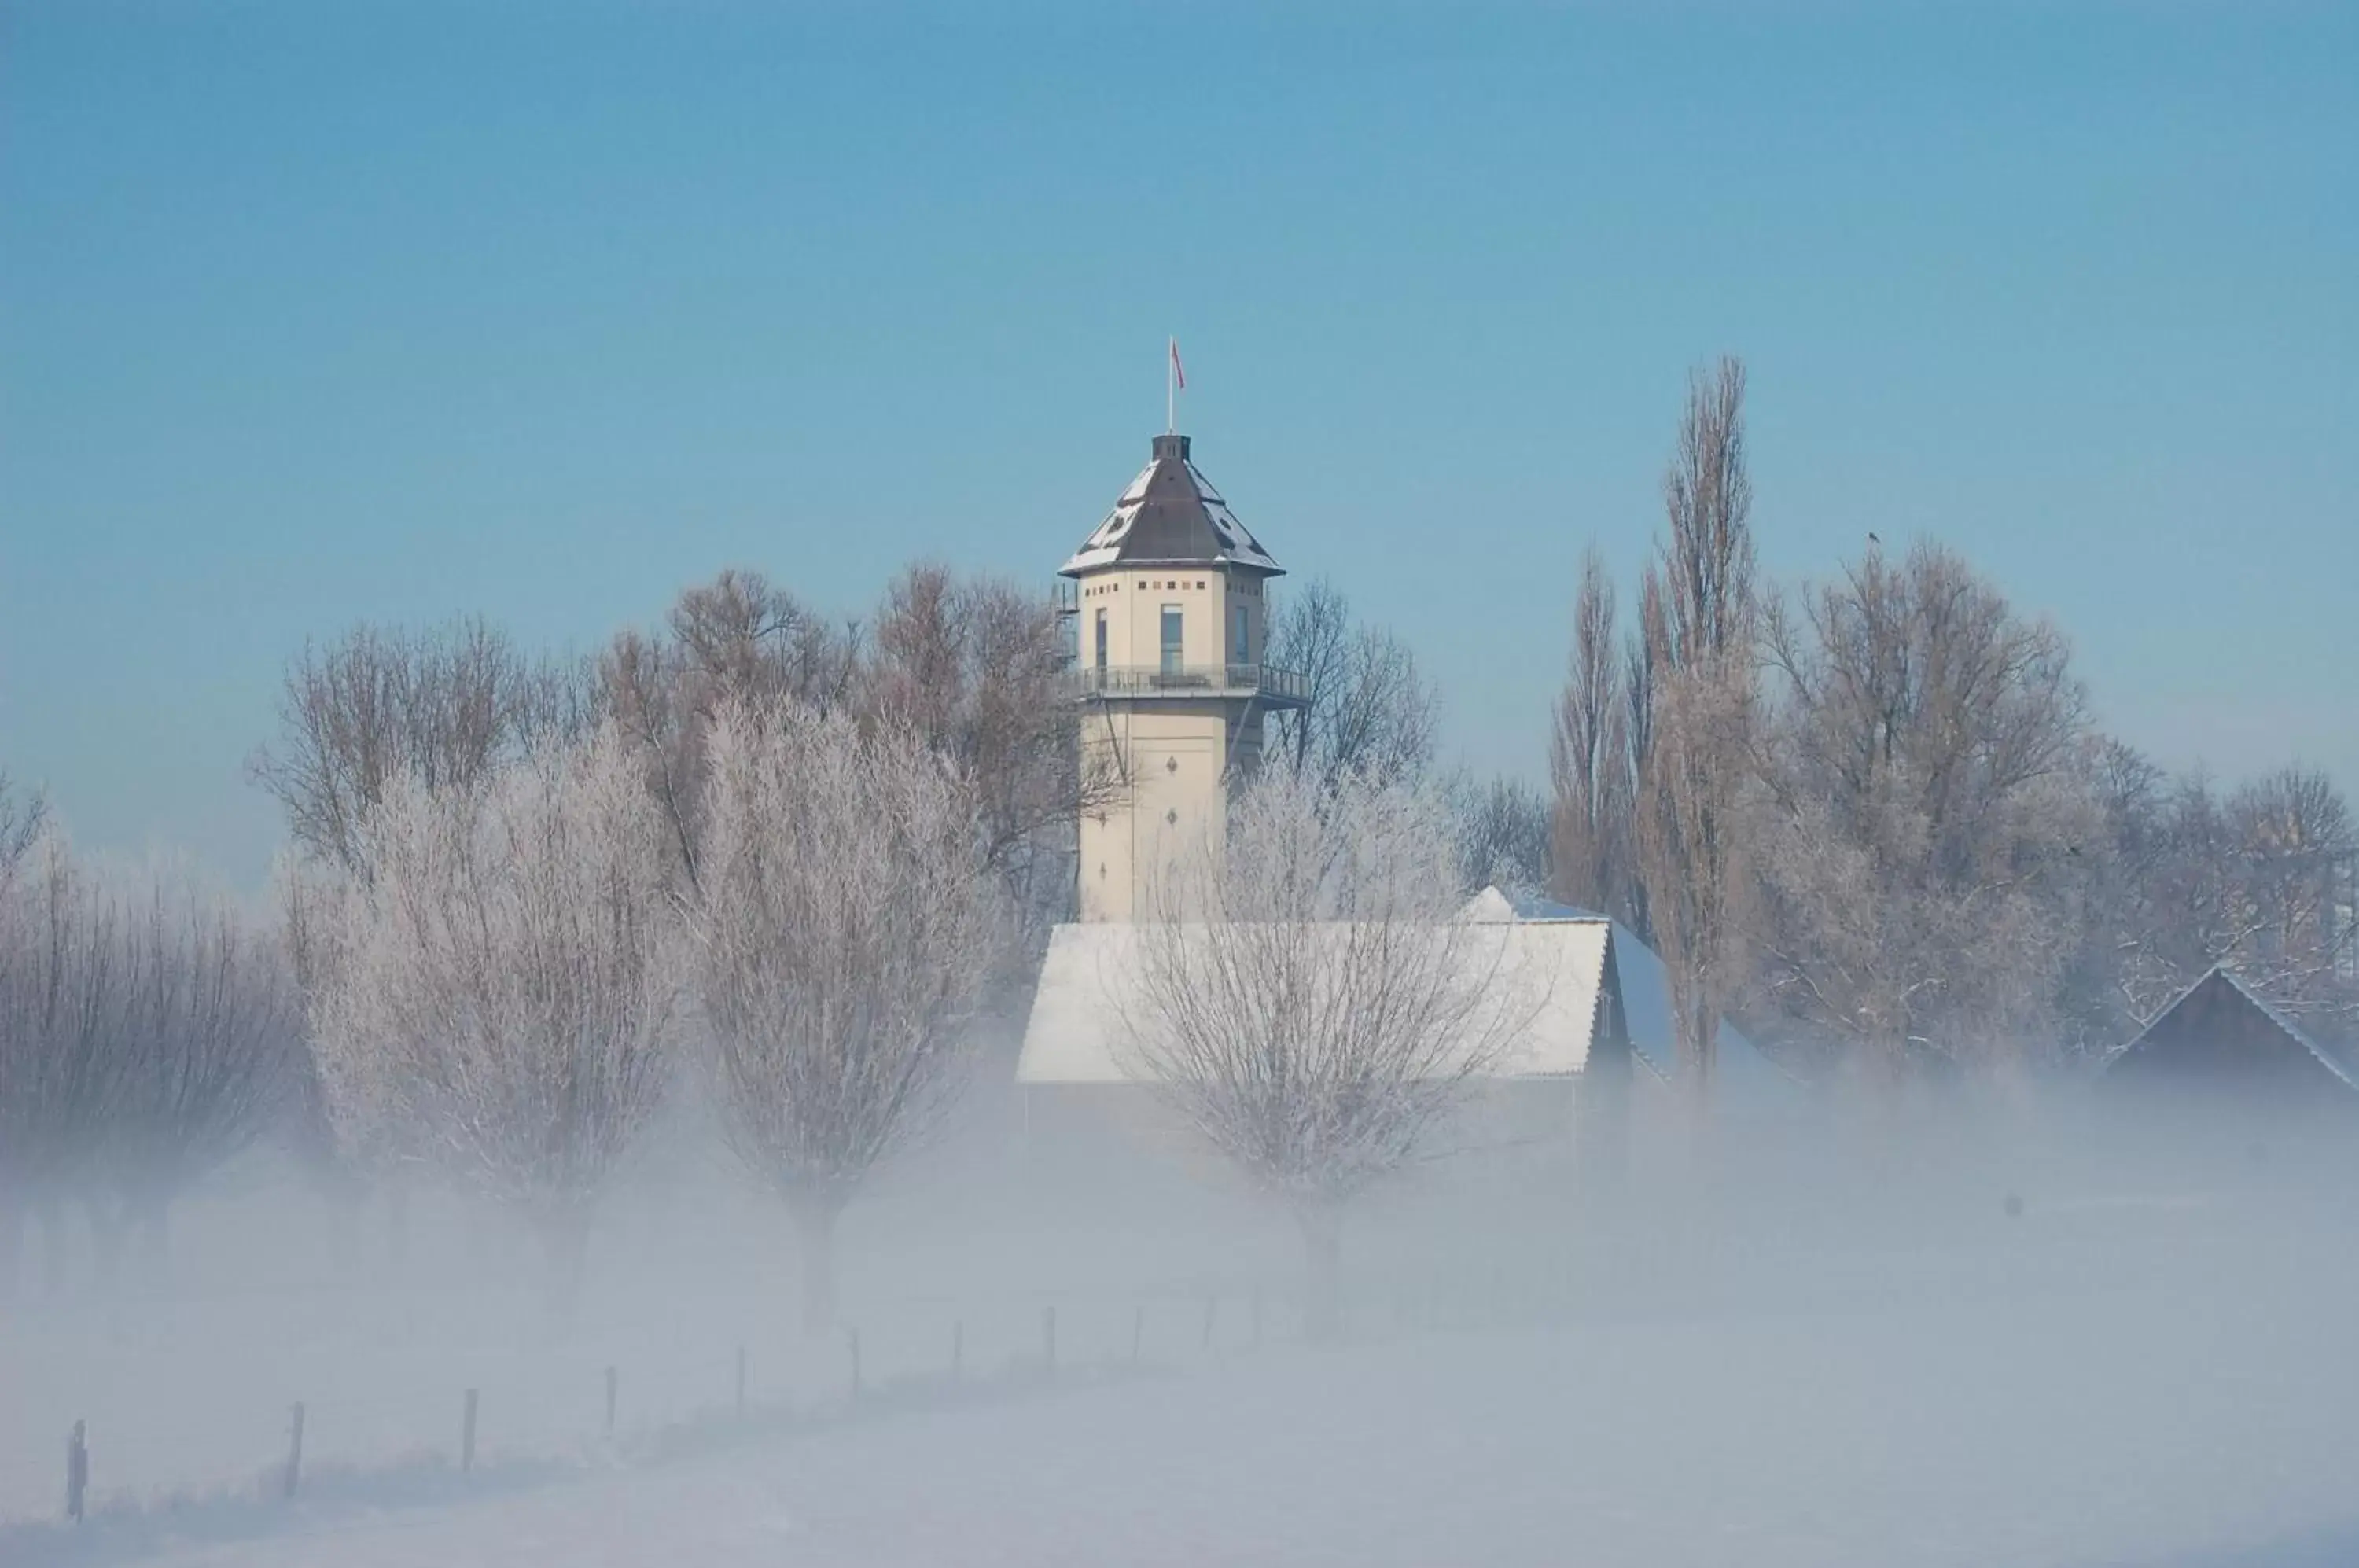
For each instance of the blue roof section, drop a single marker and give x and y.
(1748, 1077)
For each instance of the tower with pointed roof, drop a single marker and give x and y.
(1171, 605)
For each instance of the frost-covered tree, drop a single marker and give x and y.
(1308, 999)
(57, 1002)
(207, 1045)
(148, 1036)
(975, 664)
(1372, 711)
(500, 995)
(1697, 617)
(2258, 878)
(380, 705)
(1921, 838)
(1503, 833)
(846, 919)
(1596, 758)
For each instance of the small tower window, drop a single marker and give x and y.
(1102, 640)
(1240, 652)
(1172, 643)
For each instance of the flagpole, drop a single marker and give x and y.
(1170, 386)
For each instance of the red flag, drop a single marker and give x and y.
(1178, 375)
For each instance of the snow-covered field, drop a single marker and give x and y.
(2110, 1378)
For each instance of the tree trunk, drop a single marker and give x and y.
(54, 1249)
(109, 1224)
(1322, 1256)
(346, 1201)
(565, 1236)
(151, 1217)
(397, 1219)
(815, 1251)
(12, 1243)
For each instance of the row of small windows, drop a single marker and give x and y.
(1173, 627)
(1247, 588)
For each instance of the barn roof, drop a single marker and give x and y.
(1747, 1073)
(1081, 1029)
(1170, 515)
(2219, 980)
(1558, 957)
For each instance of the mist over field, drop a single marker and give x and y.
(1674, 884)
(1976, 1336)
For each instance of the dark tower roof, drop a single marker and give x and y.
(1170, 515)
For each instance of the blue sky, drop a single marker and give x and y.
(316, 312)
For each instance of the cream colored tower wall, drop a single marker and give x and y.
(1175, 761)
(1132, 603)
(1174, 755)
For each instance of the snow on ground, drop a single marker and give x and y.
(1873, 1372)
(1965, 1436)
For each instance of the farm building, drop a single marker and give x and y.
(2219, 1040)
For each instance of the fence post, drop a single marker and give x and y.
(1048, 1339)
(610, 1404)
(958, 1351)
(295, 1450)
(852, 1337)
(467, 1436)
(741, 1382)
(77, 1470)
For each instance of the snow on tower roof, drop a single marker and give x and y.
(1170, 515)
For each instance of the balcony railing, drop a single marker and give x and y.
(1274, 687)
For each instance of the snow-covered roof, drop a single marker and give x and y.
(1170, 515)
(1746, 1074)
(1081, 1030)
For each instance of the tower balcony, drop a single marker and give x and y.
(1273, 687)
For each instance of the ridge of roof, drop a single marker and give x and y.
(2329, 1059)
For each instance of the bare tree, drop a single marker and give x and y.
(208, 1044)
(2258, 880)
(738, 636)
(1922, 836)
(447, 705)
(1371, 710)
(57, 1007)
(21, 819)
(1595, 762)
(501, 996)
(1308, 999)
(845, 923)
(1697, 616)
(146, 1037)
(975, 663)
(1503, 833)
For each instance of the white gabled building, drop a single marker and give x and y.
(1169, 598)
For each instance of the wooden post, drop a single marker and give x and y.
(467, 1436)
(1211, 1305)
(1048, 1340)
(77, 1470)
(741, 1382)
(852, 1337)
(958, 1351)
(610, 1403)
(295, 1449)
(1137, 1331)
